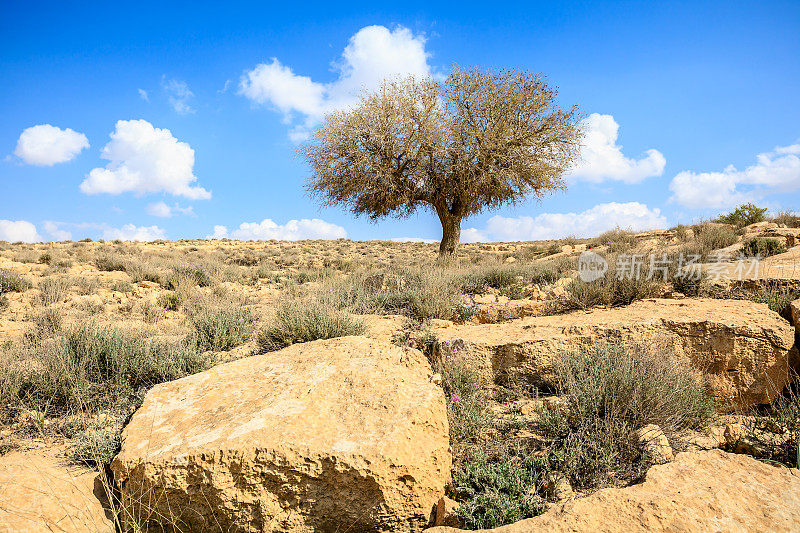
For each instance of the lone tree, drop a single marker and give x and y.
(476, 141)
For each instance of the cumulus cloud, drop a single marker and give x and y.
(131, 232)
(602, 217)
(179, 95)
(774, 172)
(18, 230)
(220, 232)
(603, 160)
(372, 54)
(294, 230)
(161, 209)
(56, 232)
(45, 145)
(143, 159)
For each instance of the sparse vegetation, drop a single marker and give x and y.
(297, 322)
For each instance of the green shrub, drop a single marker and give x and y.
(610, 391)
(495, 493)
(775, 295)
(744, 215)
(13, 282)
(760, 247)
(297, 322)
(220, 329)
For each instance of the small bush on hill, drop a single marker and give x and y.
(744, 215)
(762, 247)
(607, 291)
(617, 240)
(52, 290)
(790, 220)
(219, 329)
(13, 282)
(297, 322)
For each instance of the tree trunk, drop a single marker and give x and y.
(451, 234)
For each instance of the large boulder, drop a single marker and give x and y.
(334, 435)
(40, 492)
(742, 348)
(699, 491)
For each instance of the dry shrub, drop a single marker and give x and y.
(296, 322)
(617, 240)
(52, 290)
(610, 391)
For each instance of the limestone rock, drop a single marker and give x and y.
(41, 493)
(345, 433)
(699, 491)
(742, 348)
(446, 514)
(654, 443)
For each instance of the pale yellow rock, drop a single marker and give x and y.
(447, 513)
(654, 443)
(741, 348)
(334, 435)
(709, 491)
(42, 493)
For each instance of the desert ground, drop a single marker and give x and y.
(221, 385)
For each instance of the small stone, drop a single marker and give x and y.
(447, 513)
(655, 444)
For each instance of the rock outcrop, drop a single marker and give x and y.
(41, 493)
(334, 435)
(699, 491)
(741, 347)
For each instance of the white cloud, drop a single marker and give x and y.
(220, 232)
(18, 230)
(143, 95)
(602, 217)
(372, 54)
(54, 230)
(130, 232)
(161, 209)
(602, 157)
(774, 172)
(45, 145)
(179, 95)
(294, 230)
(144, 159)
(474, 235)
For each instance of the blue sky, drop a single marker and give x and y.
(212, 99)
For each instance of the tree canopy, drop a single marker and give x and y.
(476, 141)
